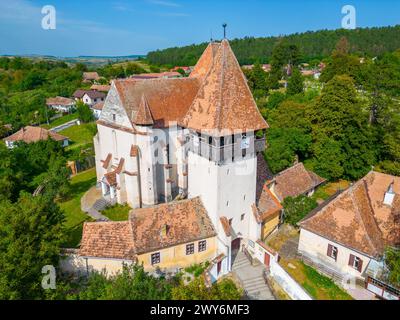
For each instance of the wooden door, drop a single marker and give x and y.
(266, 259)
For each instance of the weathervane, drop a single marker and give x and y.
(224, 25)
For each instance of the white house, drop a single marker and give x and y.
(161, 140)
(97, 108)
(62, 104)
(348, 234)
(89, 97)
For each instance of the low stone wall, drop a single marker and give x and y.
(66, 125)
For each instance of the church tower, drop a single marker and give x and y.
(225, 131)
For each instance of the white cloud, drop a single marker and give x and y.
(165, 3)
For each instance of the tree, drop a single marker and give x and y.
(31, 235)
(295, 83)
(84, 112)
(340, 131)
(297, 208)
(197, 290)
(392, 262)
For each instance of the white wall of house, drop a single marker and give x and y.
(315, 247)
(91, 101)
(62, 108)
(73, 263)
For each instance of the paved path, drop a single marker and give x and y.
(92, 203)
(251, 278)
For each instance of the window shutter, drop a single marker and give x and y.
(351, 260)
(329, 252)
(360, 266)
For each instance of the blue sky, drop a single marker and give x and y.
(124, 27)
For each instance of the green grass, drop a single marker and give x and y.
(325, 191)
(74, 216)
(117, 212)
(317, 285)
(80, 135)
(61, 120)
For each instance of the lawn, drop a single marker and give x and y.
(117, 212)
(317, 285)
(72, 207)
(80, 135)
(329, 189)
(61, 120)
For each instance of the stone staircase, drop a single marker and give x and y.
(100, 204)
(251, 278)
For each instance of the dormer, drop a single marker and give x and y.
(389, 196)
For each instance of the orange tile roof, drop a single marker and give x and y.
(168, 99)
(215, 96)
(143, 115)
(134, 151)
(107, 240)
(101, 87)
(357, 218)
(295, 181)
(224, 101)
(98, 106)
(30, 134)
(107, 161)
(91, 76)
(111, 178)
(184, 221)
(268, 205)
(225, 225)
(62, 101)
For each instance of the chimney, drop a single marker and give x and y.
(389, 196)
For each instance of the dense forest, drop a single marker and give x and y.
(312, 45)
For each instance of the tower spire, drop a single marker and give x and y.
(224, 25)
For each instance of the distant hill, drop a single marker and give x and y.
(313, 45)
(91, 61)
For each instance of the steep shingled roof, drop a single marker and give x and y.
(143, 115)
(168, 99)
(358, 218)
(224, 101)
(214, 96)
(295, 181)
(183, 221)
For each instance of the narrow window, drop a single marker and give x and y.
(332, 252)
(202, 245)
(155, 258)
(114, 116)
(227, 203)
(242, 217)
(189, 249)
(355, 262)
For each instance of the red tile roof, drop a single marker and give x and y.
(224, 101)
(98, 106)
(215, 96)
(91, 76)
(168, 99)
(357, 218)
(226, 226)
(60, 101)
(33, 134)
(295, 181)
(143, 115)
(101, 87)
(268, 205)
(183, 221)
